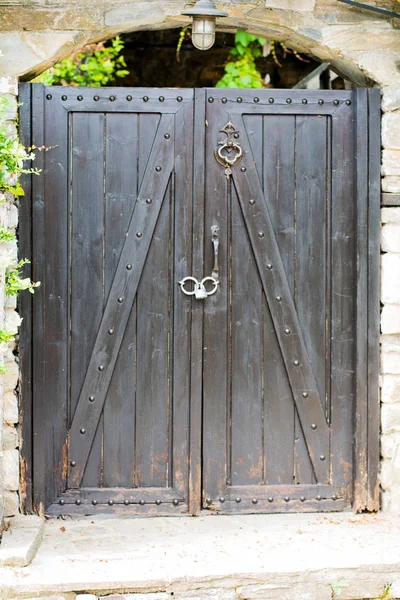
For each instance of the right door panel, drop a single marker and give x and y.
(279, 333)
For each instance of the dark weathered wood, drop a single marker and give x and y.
(124, 287)
(374, 181)
(390, 199)
(25, 310)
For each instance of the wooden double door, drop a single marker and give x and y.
(152, 395)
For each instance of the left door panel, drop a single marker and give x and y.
(112, 216)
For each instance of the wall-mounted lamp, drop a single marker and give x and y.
(204, 14)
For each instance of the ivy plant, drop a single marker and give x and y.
(92, 66)
(241, 72)
(15, 283)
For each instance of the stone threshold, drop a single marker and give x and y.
(250, 557)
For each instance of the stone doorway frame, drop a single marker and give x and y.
(363, 48)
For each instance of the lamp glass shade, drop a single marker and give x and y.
(203, 32)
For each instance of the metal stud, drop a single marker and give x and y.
(261, 234)
(91, 398)
(49, 96)
(269, 267)
(179, 98)
(120, 300)
(78, 502)
(286, 498)
(167, 136)
(72, 463)
(112, 98)
(296, 363)
(142, 502)
(222, 500)
(287, 331)
(304, 101)
(336, 102)
(322, 457)
(158, 169)
(149, 201)
(334, 497)
(64, 98)
(278, 298)
(145, 98)
(80, 98)
(129, 267)
(101, 368)
(158, 502)
(348, 102)
(256, 100)
(320, 101)
(239, 100)
(111, 331)
(271, 100)
(96, 98)
(83, 431)
(94, 502)
(313, 426)
(224, 100)
(110, 502)
(175, 502)
(161, 98)
(139, 234)
(62, 502)
(208, 500)
(126, 502)
(302, 499)
(305, 395)
(211, 100)
(270, 499)
(255, 501)
(288, 101)
(243, 169)
(252, 202)
(319, 497)
(129, 98)
(236, 136)
(238, 500)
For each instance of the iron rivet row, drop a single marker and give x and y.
(112, 98)
(222, 500)
(139, 234)
(208, 500)
(304, 101)
(161, 98)
(239, 100)
(243, 169)
(287, 331)
(305, 395)
(334, 497)
(278, 298)
(49, 96)
(78, 502)
(236, 136)
(175, 502)
(126, 502)
(319, 497)
(261, 234)
(320, 101)
(129, 98)
(158, 502)
(120, 300)
(296, 363)
(211, 100)
(255, 501)
(348, 102)
(270, 499)
(302, 499)
(224, 100)
(80, 98)
(142, 502)
(167, 136)
(110, 502)
(96, 98)
(111, 331)
(94, 502)
(145, 98)
(271, 100)
(336, 102)
(238, 500)
(288, 101)
(322, 457)
(256, 100)
(64, 98)
(91, 398)
(313, 426)
(83, 431)
(149, 201)
(129, 267)
(252, 202)
(179, 98)
(286, 498)
(158, 169)
(62, 502)
(269, 267)
(101, 368)
(72, 463)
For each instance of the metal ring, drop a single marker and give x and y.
(215, 282)
(230, 161)
(183, 282)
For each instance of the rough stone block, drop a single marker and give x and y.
(386, 475)
(390, 214)
(391, 184)
(390, 362)
(10, 379)
(390, 318)
(390, 237)
(361, 37)
(11, 470)
(389, 443)
(391, 130)
(10, 437)
(11, 504)
(390, 392)
(213, 594)
(315, 591)
(391, 97)
(12, 321)
(390, 418)
(391, 162)
(390, 279)
(151, 596)
(380, 66)
(9, 85)
(300, 5)
(10, 404)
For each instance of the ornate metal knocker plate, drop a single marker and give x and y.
(229, 152)
(199, 288)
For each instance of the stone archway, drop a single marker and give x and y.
(360, 45)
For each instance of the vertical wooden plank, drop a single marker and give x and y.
(343, 277)
(246, 300)
(196, 353)
(121, 147)
(51, 300)
(153, 392)
(374, 182)
(87, 265)
(216, 407)
(279, 179)
(180, 326)
(25, 309)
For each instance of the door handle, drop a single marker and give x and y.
(199, 291)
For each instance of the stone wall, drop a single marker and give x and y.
(362, 46)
